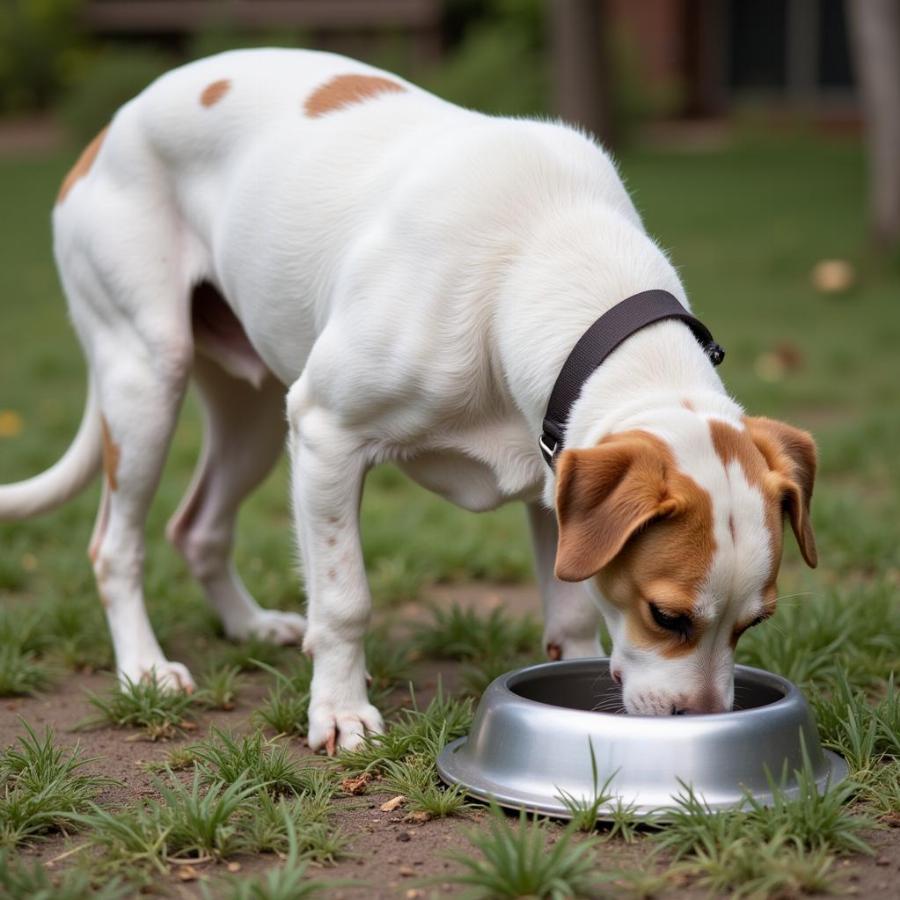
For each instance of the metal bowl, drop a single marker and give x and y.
(534, 728)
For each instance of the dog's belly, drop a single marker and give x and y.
(458, 478)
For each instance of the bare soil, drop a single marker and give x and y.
(390, 857)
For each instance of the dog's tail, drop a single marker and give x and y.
(65, 478)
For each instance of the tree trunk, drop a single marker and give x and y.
(875, 38)
(581, 65)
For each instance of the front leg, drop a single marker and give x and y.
(570, 615)
(328, 467)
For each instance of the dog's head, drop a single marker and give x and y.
(684, 540)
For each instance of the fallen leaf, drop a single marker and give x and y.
(233, 867)
(833, 276)
(356, 785)
(407, 871)
(11, 423)
(187, 873)
(418, 818)
(393, 803)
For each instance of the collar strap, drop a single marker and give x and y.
(610, 330)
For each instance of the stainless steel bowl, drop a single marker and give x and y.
(534, 729)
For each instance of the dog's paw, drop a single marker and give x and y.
(333, 728)
(269, 625)
(170, 676)
(573, 649)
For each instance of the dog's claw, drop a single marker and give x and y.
(330, 743)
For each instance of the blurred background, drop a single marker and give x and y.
(759, 138)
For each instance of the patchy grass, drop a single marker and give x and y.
(422, 733)
(23, 880)
(837, 631)
(522, 861)
(415, 778)
(218, 687)
(42, 785)
(144, 704)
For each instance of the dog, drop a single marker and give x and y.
(352, 266)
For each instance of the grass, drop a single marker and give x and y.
(522, 861)
(144, 704)
(415, 778)
(422, 733)
(219, 687)
(745, 226)
(261, 763)
(22, 880)
(42, 786)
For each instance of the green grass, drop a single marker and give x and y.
(521, 861)
(144, 704)
(41, 786)
(745, 226)
(22, 880)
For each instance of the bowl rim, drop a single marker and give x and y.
(790, 693)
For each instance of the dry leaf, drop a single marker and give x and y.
(356, 785)
(393, 803)
(233, 867)
(187, 873)
(11, 423)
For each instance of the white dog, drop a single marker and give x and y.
(413, 275)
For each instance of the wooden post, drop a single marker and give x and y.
(581, 66)
(875, 39)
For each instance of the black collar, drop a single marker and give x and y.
(613, 327)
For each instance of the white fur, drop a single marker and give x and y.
(416, 274)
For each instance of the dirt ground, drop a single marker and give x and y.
(390, 858)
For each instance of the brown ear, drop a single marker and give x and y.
(603, 495)
(791, 453)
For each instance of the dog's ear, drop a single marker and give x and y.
(791, 456)
(603, 495)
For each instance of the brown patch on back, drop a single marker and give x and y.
(82, 166)
(111, 454)
(345, 90)
(657, 520)
(214, 92)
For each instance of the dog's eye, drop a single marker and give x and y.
(680, 624)
(757, 621)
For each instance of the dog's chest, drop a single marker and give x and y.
(479, 469)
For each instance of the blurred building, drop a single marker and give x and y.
(348, 26)
(721, 54)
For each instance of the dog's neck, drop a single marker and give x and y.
(570, 272)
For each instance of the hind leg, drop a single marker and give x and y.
(140, 384)
(245, 433)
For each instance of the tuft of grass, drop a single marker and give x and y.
(266, 829)
(416, 779)
(143, 704)
(465, 634)
(387, 662)
(130, 840)
(20, 673)
(259, 762)
(247, 656)
(780, 867)
(22, 881)
(522, 861)
(42, 785)
(584, 811)
(286, 707)
(289, 882)
(219, 687)
(177, 760)
(415, 733)
(201, 824)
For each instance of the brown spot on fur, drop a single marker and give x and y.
(630, 517)
(214, 92)
(345, 90)
(82, 166)
(554, 652)
(730, 445)
(791, 456)
(731, 528)
(331, 541)
(111, 454)
(688, 405)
